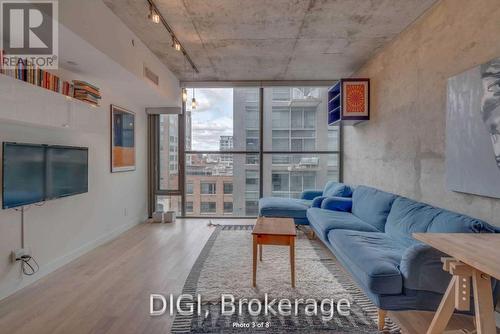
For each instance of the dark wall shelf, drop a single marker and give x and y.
(349, 102)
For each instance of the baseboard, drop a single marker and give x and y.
(65, 259)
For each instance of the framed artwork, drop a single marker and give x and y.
(122, 139)
(355, 102)
(473, 131)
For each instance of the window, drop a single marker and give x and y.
(169, 203)
(228, 207)
(252, 159)
(252, 180)
(189, 188)
(208, 188)
(228, 188)
(280, 118)
(208, 207)
(189, 207)
(168, 152)
(223, 140)
(251, 208)
(281, 94)
(252, 117)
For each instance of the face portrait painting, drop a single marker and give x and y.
(490, 103)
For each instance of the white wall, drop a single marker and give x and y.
(95, 22)
(63, 229)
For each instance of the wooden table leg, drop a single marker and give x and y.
(260, 252)
(445, 310)
(483, 303)
(292, 260)
(254, 276)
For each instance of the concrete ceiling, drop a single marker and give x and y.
(269, 39)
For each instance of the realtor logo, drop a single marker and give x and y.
(29, 32)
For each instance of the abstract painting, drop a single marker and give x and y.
(122, 140)
(473, 131)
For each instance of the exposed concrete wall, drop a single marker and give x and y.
(402, 148)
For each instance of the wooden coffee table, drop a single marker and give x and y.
(274, 231)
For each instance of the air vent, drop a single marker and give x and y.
(151, 76)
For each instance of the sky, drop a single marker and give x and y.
(212, 118)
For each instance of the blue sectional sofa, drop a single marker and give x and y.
(296, 208)
(371, 235)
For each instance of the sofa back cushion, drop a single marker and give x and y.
(408, 216)
(372, 205)
(336, 189)
(452, 222)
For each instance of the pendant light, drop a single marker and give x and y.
(193, 101)
(184, 95)
(194, 104)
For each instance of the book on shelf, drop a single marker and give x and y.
(28, 72)
(86, 87)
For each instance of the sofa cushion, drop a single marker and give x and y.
(335, 189)
(452, 222)
(283, 207)
(372, 257)
(323, 221)
(372, 205)
(408, 216)
(337, 204)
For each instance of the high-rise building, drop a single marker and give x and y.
(295, 120)
(226, 144)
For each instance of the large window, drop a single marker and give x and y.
(226, 168)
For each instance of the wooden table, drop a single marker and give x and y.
(274, 231)
(472, 256)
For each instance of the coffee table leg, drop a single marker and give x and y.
(254, 276)
(260, 252)
(292, 259)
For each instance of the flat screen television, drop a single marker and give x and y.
(36, 173)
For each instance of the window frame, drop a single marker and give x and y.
(261, 151)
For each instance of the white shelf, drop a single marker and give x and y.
(47, 108)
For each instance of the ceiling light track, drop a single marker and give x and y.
(154, 12)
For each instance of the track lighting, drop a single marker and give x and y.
(153, 16)
(184, 95)
(156, 17)
(176, 45)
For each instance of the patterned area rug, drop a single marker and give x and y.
(225, 267)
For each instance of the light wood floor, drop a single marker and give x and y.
(107, 290)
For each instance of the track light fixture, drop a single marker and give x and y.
(156, 17)
(153, 15)
(176, 44)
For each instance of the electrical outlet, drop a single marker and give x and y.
(17, 254)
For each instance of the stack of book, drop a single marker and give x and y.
(27, 72)
(86, 92)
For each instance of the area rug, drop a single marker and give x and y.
(225, 267)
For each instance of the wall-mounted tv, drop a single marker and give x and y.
(35, 173)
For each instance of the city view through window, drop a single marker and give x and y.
(222, 149)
